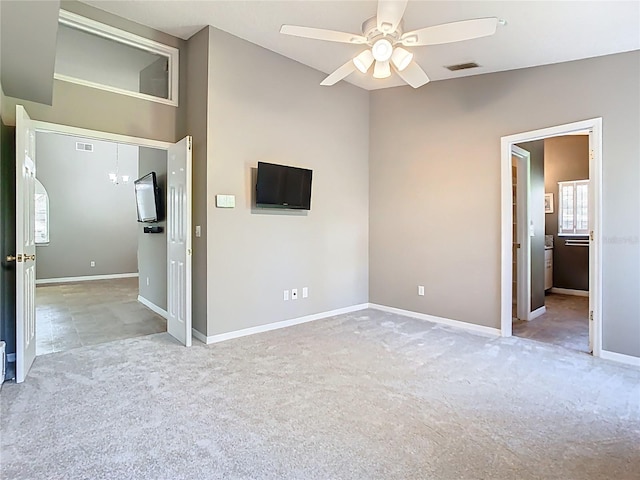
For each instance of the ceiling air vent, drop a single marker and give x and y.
(462, 66)
(84, 147)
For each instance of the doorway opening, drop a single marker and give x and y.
(550, 217)
(99, 277)
(555, 207)
(178, 201)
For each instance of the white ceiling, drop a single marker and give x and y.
(536, 33)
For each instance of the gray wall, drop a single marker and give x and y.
(265, 107)
(435, 186)
(536, 212)
(90, 218)
(566, 158)
(434, 201)
(95, 109)
(197, 126)
(32, 79)
(152, 247)
(154, 79)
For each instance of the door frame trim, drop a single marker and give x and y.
(47, 127)
(594, 127)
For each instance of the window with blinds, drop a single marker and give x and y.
(573, 208)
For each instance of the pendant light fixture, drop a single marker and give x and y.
(115, 178)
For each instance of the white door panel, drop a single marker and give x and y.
(520, 158)
(25, 245)
(593, 272)
(179, 241)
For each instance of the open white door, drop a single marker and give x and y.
(179, 241)
(521, 158)
(595, 219)
(25, 257)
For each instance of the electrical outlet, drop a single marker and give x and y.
(92, 264)
(305, 292)
(285, 296)
(294, 294)
(421, 290)
(198, 231)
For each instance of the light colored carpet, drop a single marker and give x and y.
(368, 395)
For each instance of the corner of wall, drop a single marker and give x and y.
(196, 95)
(266, 107)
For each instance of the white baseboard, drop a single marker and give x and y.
(208, 340)
(276, 325)
(619, 357)
(152, 306)
(199, 336)
(44, 281)
(537, 312)
(569, 291)
(441, 320)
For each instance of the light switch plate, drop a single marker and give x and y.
(225, 201)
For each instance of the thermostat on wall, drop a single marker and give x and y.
(225, 201)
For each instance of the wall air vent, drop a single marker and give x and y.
(84, 147)
(462, 66)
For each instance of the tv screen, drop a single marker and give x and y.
(280, 186)
(147, 198)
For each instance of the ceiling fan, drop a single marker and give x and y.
(386, 38)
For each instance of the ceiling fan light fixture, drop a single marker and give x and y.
(383, 37)
(363, 61)
(382, 50)
(401, 58)
(381, 69)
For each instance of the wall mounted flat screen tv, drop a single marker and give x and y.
(280, 186)
(148, 198)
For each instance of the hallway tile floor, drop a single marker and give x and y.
(565, 323)
(71, 315)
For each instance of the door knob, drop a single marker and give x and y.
(12, 258)
(29, 257)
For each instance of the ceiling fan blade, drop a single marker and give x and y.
(389, 14)
(451, 32)
(322, 34)
(413, 75)
(342, 72)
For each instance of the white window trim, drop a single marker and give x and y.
(106, 31)
(575, 183)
